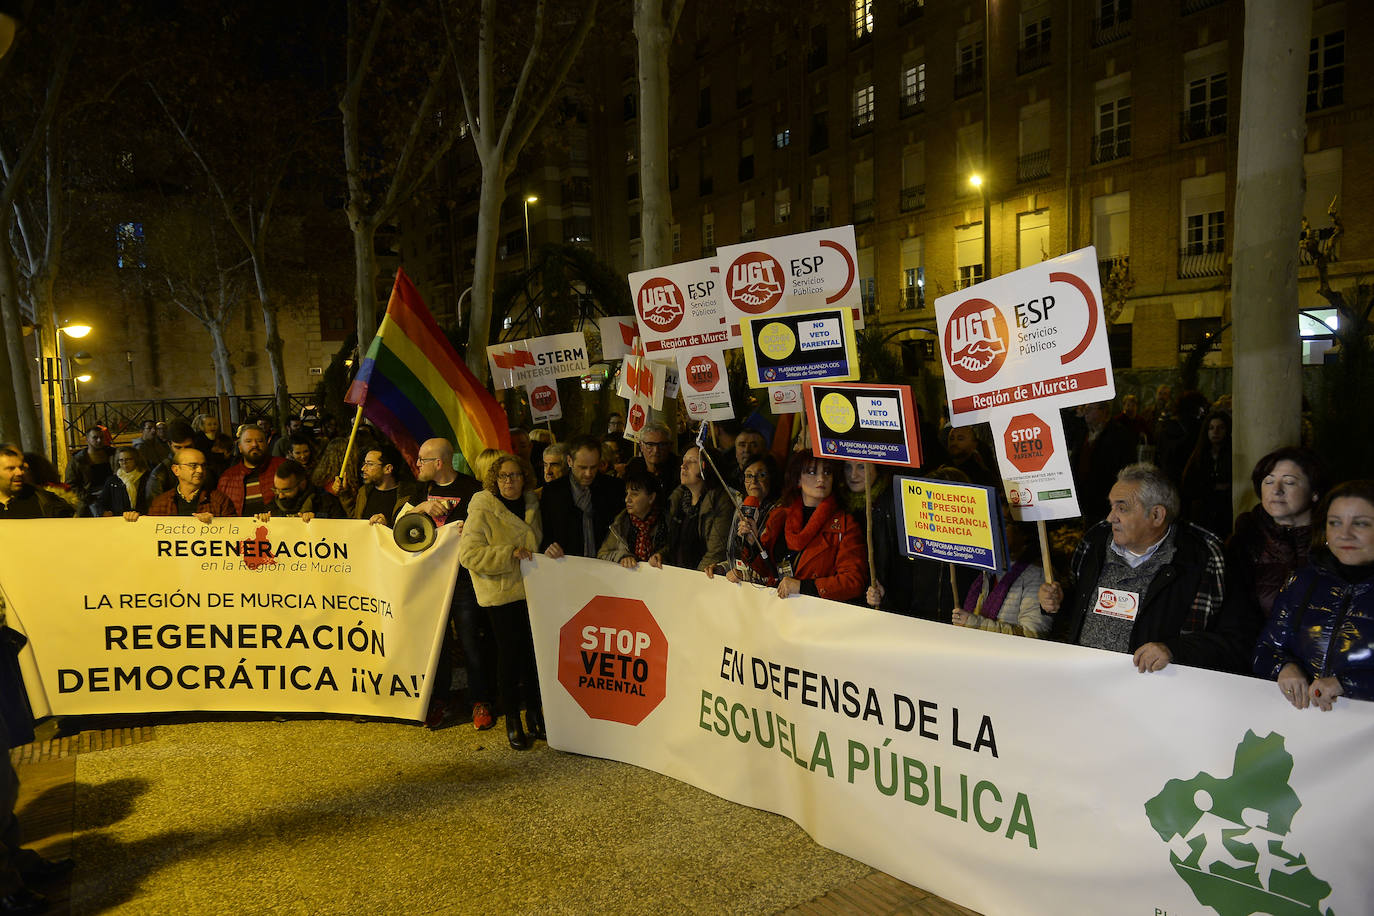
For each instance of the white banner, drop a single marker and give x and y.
(1033, 338)
(1033, 458)
(806, 270)
(1007, 774)
(519, 363)
(170, 614)
(680, 308)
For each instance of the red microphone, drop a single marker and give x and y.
(750, 508)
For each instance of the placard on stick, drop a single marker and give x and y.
(858, 422)
(950, 522)
(816, 345)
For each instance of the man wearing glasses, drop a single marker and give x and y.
(445, 496)
(382, 493)
(656, 456)
(189, 497)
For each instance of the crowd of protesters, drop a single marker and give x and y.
(1284, 591)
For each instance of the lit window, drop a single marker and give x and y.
(863, 18)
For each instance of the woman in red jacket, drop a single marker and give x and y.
(814, 546)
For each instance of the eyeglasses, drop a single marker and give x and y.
(373, 464)
(192, 465)
(761, 475)
(646, 444)
(423, 460)
(511, 475)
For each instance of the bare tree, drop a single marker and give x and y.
(655, 22)
(500, 136)
(20, 153)
(391, 148)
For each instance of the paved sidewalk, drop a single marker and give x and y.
(336, 816)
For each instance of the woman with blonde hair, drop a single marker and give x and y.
(503, 527)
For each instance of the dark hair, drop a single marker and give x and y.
(179, 430)
(643, 480)
(799, 462)
(1351, 489)
(589, 443)
(774, 475)
(302, 438)
(389, 455)
(290, 469)
(12, 450)
(707, 466)
(40, 472)
(1310, 462)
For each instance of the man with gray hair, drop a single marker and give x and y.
(555, 461)
(1146, 582)
(656, 456)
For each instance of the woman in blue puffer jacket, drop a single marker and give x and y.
(1319, 642)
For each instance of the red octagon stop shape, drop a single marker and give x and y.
(544, 398)
(1028, 443)
(613, 659)
(702, 373)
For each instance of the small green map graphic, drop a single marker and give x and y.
(1226, 835)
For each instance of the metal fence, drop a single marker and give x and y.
(128, 417)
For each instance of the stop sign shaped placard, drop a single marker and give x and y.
(1028, 443)
(613, 659)
(702, 373)
(544, 398)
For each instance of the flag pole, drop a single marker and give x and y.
(348, 449)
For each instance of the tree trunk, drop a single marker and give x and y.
(1267, 378)
(22, 421)
(365, 280)
(224, 369)
(654, 35)
(484, 268)
(273, 344)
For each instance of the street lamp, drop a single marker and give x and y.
(529, 199)
(977, 180)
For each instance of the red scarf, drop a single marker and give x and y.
(644, 534)
(797, 535)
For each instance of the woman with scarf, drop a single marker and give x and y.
(502, 528)
(1272, 540)
(814, 546)
(124, 490)
(641, 530)
(762, 481)
(1009, 603)
(698, 517)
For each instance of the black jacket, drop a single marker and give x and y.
(1324, 625)
(563, 520)
(1184, 608)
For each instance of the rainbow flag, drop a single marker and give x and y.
(413, 385)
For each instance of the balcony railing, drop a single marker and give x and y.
(913, 297)
(1107, 148)
(1033, 165)
(1193, 6)
(820, 217)
(913, 104)
(861, 123)
(1111, 28)
(863, 211)
(910, 11)
(1032, 57)
(913, 198)
(1206, 259)
(1194, 125)
(967, 81)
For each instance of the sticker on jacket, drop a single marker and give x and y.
(1118, 603)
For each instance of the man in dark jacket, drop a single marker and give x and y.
(383, 492)
(577, 509)
(1146, 583)
(18, 499)
(294, 496)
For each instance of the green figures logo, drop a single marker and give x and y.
(1226, 835)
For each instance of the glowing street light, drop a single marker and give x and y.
(529, 199)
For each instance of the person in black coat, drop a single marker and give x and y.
(577, 509)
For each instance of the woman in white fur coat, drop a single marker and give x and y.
(503, 528)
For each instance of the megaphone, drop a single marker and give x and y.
(414, 532)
